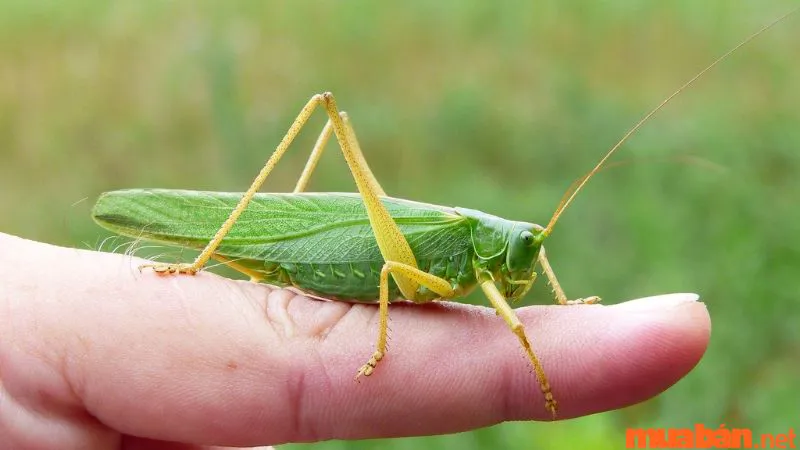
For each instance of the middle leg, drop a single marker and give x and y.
(504, 310)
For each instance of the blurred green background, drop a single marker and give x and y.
(493, 106)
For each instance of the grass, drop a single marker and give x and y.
(497, 108)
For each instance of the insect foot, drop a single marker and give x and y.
(367, 368)
(550, 402)
(585, 301)
(169, 269)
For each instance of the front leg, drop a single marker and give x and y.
(558, 292)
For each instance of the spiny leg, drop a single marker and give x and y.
(211, 247)
(390, 239)
(319, 148)
(504, 310)
(394, 247)
(432, 282)
(359, 155)
(558, 292)
(316, 154)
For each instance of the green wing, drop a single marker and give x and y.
(302, 228)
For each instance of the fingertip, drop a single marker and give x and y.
(658, 302)
(624, 354)
(680, 320)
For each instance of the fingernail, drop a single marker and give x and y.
(659, 302)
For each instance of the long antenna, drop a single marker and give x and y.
(578, 185)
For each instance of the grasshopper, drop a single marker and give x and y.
(365, 247)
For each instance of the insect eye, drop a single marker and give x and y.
(527, 237)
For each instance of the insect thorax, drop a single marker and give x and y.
(505, 249)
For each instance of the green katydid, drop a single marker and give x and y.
(344, 246)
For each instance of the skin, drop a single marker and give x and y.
(96, 355)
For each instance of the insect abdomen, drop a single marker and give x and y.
(358, 282)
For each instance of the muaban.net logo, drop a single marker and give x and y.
(705, 437)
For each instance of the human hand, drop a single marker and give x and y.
(94, 354)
